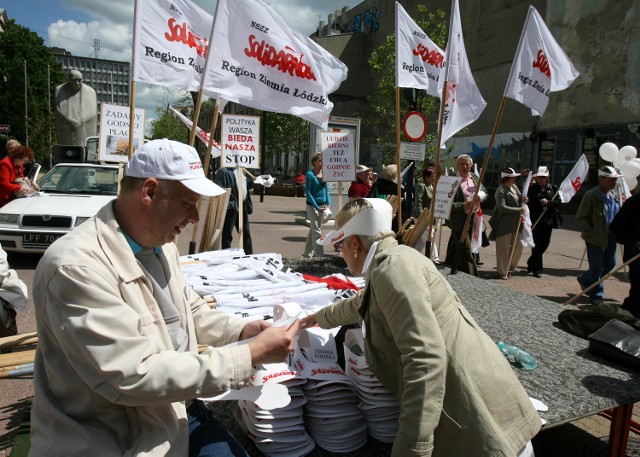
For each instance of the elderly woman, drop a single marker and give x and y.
(318, 201)
(12, 168)
(462, 205)
(543, 206)
(458, 395)
(505, 222)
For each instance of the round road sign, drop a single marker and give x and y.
(414, 126)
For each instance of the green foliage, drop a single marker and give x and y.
(17, 45)
(285, 134)
(381, 114)
(166, 125)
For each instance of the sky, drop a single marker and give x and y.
(74, 24)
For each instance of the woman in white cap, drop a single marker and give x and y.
(504, 222)
(543, 206)
(449, 377)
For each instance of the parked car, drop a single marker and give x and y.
(69, 194)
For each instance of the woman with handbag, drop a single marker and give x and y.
(543, 206)
(505, 221)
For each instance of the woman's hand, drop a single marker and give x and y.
(308, 322)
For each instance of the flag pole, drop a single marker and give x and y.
(608, 275)
(432, 206)
(132, 110)
(485, 165)
(399, 179)
(207, 160)
(196, 116)
(545, 210)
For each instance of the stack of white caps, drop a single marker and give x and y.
(279, 431)
(378, 406)
(330, 414)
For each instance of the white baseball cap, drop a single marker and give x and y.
(173, 161)
(542, 171)
(609, 172)
(362, 168)
(509, 173)
(368, 222)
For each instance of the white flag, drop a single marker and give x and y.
(418, 59)
(539, 67)
(572, 183)
(526, 236)
(259, 62)
(170, 43)
(204, 136)
(463, 101)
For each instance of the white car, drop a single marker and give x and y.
(69, 194)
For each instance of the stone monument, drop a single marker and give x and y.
(76, 111)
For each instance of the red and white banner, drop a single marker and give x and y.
(463, 101)
(539, 67)
(260, 62)
(204, 136)
(419, 60)
(170, 43)
(572, 183)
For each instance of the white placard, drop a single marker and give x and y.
(338, 156)
(114, 132)
(445, 193)
(240, 141)
(412, 151)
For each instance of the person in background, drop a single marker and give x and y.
(11, 145)
(626, 228)
(457, 393)
(422, 201)
(117, 367)
(596, 211)
(318, 201)
(229, 178)
(462, 205)
(543, 206)
(12, 169)
(361, 187)
(13, 297)
(505, 222)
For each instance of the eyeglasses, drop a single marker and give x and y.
(338, 246)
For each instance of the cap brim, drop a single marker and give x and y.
(203, 186)
(369, 222)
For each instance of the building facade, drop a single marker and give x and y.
(600, 37)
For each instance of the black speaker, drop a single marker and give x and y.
(67, 153)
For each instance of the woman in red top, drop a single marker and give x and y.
(11, 168)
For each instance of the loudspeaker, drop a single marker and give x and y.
(67, 153)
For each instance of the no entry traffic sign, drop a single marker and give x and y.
(414, 126)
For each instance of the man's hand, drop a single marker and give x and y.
(253, 328)
(273, 344)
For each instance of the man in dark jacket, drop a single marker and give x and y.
(626, 228)
(228, 178)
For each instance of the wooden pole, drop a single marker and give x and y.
(398, 156)
(432, 207)
(611, 273)
(196, 116)
(207, 161)
(132, 111)
(545, 210)
(485, 165)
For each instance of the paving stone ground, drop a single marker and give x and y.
(274, 229)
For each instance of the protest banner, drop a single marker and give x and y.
(445, 193)
(114, 132)
(240, 141)
(338, 156)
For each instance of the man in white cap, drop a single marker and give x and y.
(596, 211)
(117, 366)
(361, 187)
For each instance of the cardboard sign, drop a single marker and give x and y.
(338, 156)
(240, 141)
(445, 193)
(114, 132)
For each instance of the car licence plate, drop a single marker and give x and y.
(43, 239)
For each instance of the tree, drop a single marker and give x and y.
(285, 134)
(381, 105)
(18, 45)
(166, 125)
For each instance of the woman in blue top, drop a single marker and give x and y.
(318, 201)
